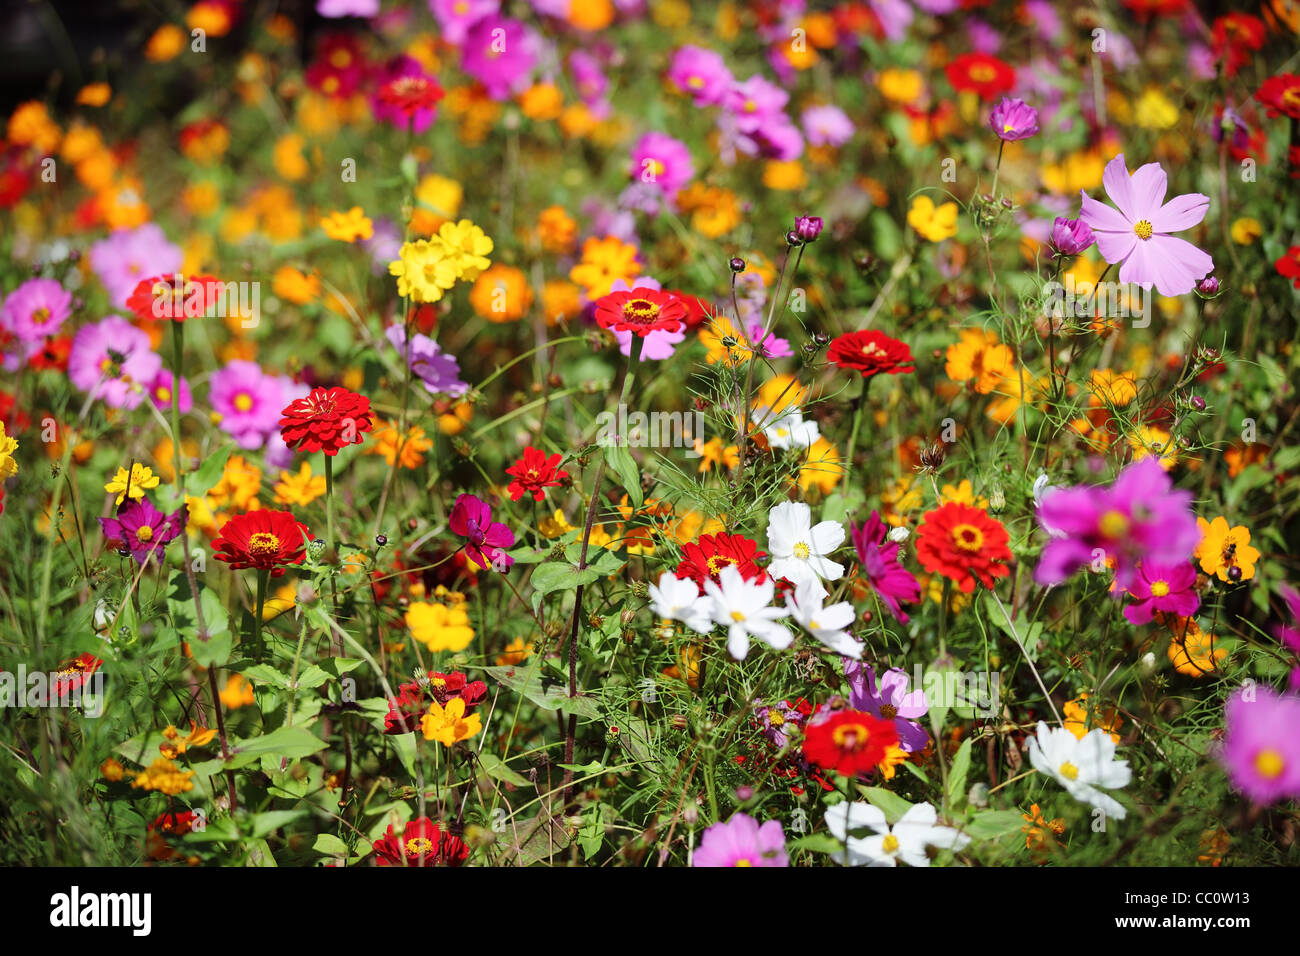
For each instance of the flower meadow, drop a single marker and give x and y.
(641, 433)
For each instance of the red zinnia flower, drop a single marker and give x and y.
(707, 557)
(533, 472)
(1289, 265)
(641, 311)
(698, 311)
(979, 72)
(1146, 9)
(53, 354)
(871, 352)
(326, 420)
(262, 539)
(1233, 39)
(422, 843)
(176, 298)
(962, 542)
(72, 674)
(410, 94)
(1281, 95)
(849, 742)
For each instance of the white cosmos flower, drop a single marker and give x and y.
(1081, 766)
(790, 430)
(906, 840)
(827, 624)
(799, 547)
(745, 609)
(679, 599)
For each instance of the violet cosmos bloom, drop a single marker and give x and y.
(471, 518)
(1013, 119)
(1070, 236)
(1165, 588)
(878, 557)
(754, 103)
(1289, 634)
(439, 371)
(894, 17)
(162, 388)
(1261, 749)
(742, 841)
(662, 161)
(347, 8)
(36, 310)
(456, 17)
(1141, 517)
(500, 53)
(129, 255)
(1137, 234)
(588, 77)
(143, 530)
(248, 400)
(808, 228)
(112, 360)
(890, 701)
(826, 125)
(700, 73)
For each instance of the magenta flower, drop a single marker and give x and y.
(456, 17)
(163, 388)
(347, 8)
(754, 103)
(1141, 517)
(1013, 119)
(878, 557)
(1261, 749)
(248, 400)
(1289, 634)
(129, 255)
(742, 841)
(1137, 234)
(701, 74)
(826, 125)
(890, 701)
(471, 518)
(660, 160)
(1165, 588)
(500, 53)
(112, 360)
(589, 79)
(1070, 236)
(143, 530)
(36, 310)
(416, 118)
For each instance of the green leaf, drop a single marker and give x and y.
(497, 769)
(209, 473)
(528, 681)
(620, 462)
(817, 842)
(560, 576)
(993, 824)
(890, 803)
(330, 845)
(266, 823)
(215, 650)
(287, 742)
(957, 775)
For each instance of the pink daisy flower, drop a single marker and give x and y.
(742, 841)
(1260, 747)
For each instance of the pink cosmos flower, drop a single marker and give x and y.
(1159, 587)
(742, 841)
(347, 8)
(890, 701)
(249, 402)
(1137, 233)
(500, 53)
(36, 310)
(163, 388)
(754, 103)
(1261, 749)
(471, 518)
(1013, 119)
(129, 255)
(1289, 634)
(660, 160)
(826, 125)
(456, 17)
(700, 73)
(112, 360)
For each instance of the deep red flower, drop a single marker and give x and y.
(1289, 265)
(848, 741)
(410, 94)
(533, 472)
(173, 824)
(405, 710)
(422, 843)
(1234, 38)
(445, 687)
(704, 559)
(72, 675)
(1146, 9)
(1293, 157)
(53, 355)
(962, 542)
(1281, 95)
(263, 539)
(412, 700)
(326, 420)
(698, 311)
(981, 73)
(176, 297)
(339, 66)
(871, 353)
(641, 311)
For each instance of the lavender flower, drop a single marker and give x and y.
(1070, 236)
(890, 701)
(439, 372)
(1013, 119)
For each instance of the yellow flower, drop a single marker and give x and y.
(725, 342)
(784, 175)
(439, 627)
(979, 359)
(8, 445)
(501, 294)
(900, 499)
(465, 246)
(1191, 651)
(714, 211)
(165, 777)
(1078, 171)
(437, 199)
(603, 262)
(901, 86)
(1109, 387)
(541, 102)
(288, 159)
(1154, 110)
(1223, 548)
(348, 226)
(384, 440)
(447, 725)
(1246, 230)
(299, 489)
(176, 745)
(135, 484)
(962, 493)
(712, 453)
(238, 693)
(111, 770)
(238, 487)
(423, 272)
(782, 393)
(1079, 723)
(933, 223)
(94, 94)
(284, 599)
(516, 652)
(295, 285)
(30, 125)
(823, 468)
(1149, 440)
(894, 756)
(554, 526)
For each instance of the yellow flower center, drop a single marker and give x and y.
(1069, 771)
(641, 310)
(243, 401)
(716, 562)
(263, 542)
(775, 718)
(40, 315)
(982, 73)
(850, 736)
(695, 83)
(737, 616)
(1159, 588)
(871, 350)
(743, 861)
(145, 533)
(801, 551)
(1270, 764)
(967, 537)
(418, 845)
(1113, 524)
(890, 844)
(1143, 229)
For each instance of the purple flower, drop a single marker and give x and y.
(383, 245)
(248, 400)
(347, 8)
(456, 17)
(659, 159)
(878, 557)
(741, 841)
(471, 518)
(1165, 588)
(1209, 286)
(895, 16)
(500, 53)
(754, 103)
(588, 77)
(700, 73)
(1070, 236)
(1261, 749)
(163, 388)
(1289, 634)
(1137, 234)
(781, 720)
(112, 360)
(1046, 21)
(143, 530)
(777, 138)
(808, 228)
(36, 310)
(1141, 517)
(129, 255)
(1013, 119)
(826, 125)
(890, 701)
(439, 372)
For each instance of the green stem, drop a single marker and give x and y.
(329, 499)
(853, 435)
(257, 614)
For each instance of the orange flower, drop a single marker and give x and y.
(501, 294)
(238, 693)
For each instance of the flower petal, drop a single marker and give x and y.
(1181, 212)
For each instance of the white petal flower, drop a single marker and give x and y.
(745, 609)
(827, 624)
(1081, 766)
(906, 840)
(799, 547)
(679, 599)
(790, 430)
